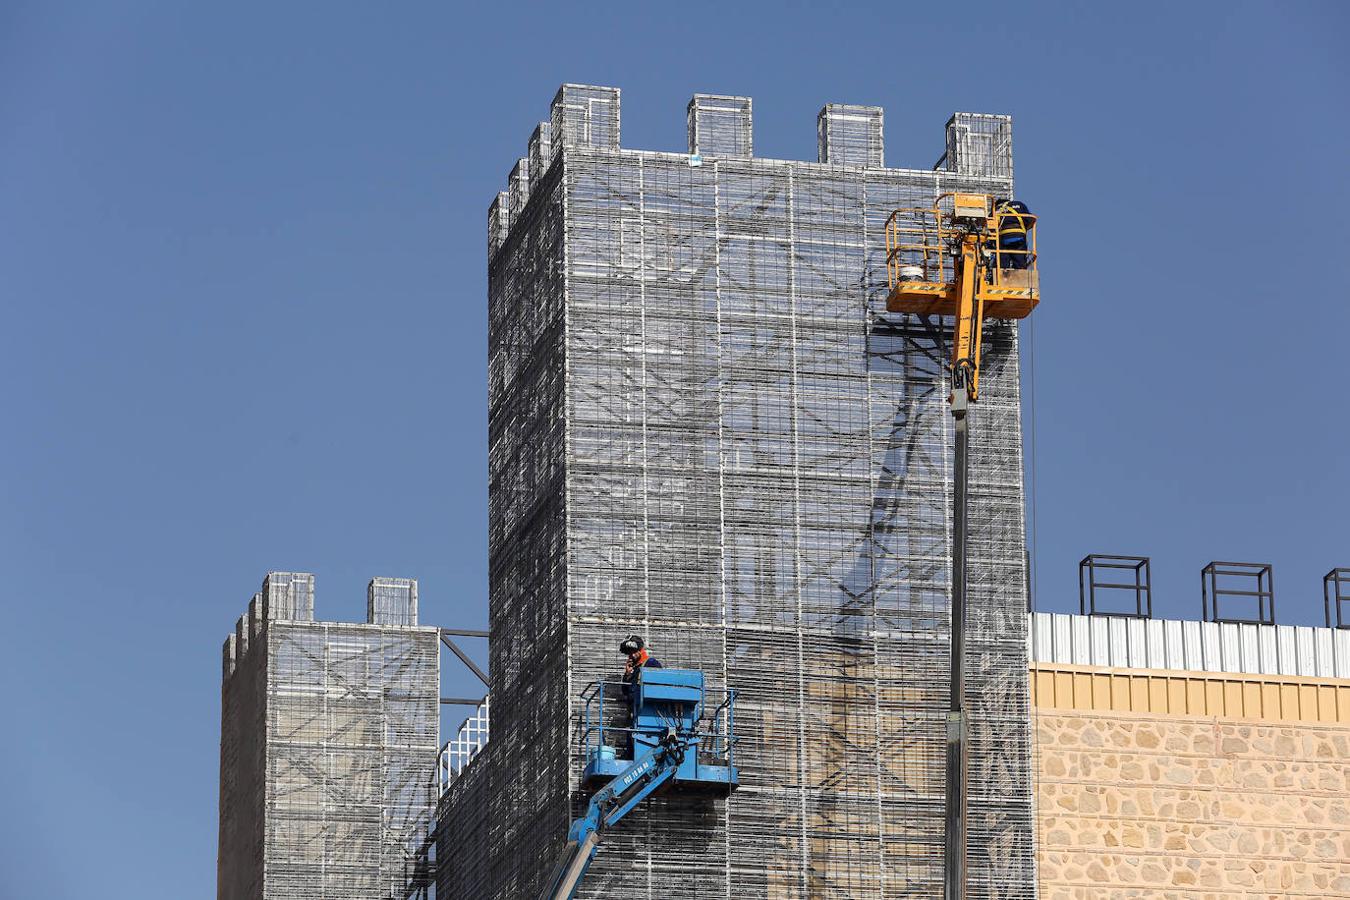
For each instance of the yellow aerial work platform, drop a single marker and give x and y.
(967, 256)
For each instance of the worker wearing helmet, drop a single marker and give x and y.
(635, 648)
(1013, 222)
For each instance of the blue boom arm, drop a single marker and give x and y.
(610, 804)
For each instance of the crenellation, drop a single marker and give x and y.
(518, 183)
(980, 145)
(499, 222)
(228, 659)
(720, 125)
(585, 115)
(288, 595)
(851, 136)
(241, 636)
(255, 618)
(391, 601)
(540, 152)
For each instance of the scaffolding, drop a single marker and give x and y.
(705, 428)
(328, 745)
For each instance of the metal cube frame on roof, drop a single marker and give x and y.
(1216, 584)
(1141, 587)
(1336, 596)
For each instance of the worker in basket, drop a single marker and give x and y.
(1013, 222)
(635, 648)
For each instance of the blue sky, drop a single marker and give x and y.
(243, 295)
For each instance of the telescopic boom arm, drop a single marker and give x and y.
(610, 804)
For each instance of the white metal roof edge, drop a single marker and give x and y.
(1070, 639)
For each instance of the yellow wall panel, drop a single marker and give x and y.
(1178, 693)
(1307, 702)
(1139, 696)
(1101, 692)
(1195, 697)
(1326, 703)
(1251, 699)
(1176, 696)
(1270, 700)
(1289, 701)
(1214, 698)
(1120, 693)
(1082, 691)
(1157, 694)
(1063, 688)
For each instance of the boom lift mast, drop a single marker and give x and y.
(968, 256)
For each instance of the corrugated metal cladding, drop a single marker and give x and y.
(1197, 646)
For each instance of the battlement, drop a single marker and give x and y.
(289, 597)
(721, 127)
(978, 144)
(851, 135)
(391, 601)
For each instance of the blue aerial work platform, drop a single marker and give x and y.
(662, 746)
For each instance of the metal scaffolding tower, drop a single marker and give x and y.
(705, 428)
(328, 745)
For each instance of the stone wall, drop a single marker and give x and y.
(1141, 805)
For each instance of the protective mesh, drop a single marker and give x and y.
(706, 429)
(462, 833)
(850, 135)
(720, 126)
(391, 601)
(327, 758)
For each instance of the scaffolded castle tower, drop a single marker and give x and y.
(706, 429)
(328, 745)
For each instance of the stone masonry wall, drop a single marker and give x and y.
(1142, 805)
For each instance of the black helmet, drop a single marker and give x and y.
(631, 644)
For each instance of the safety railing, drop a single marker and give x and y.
(921, 243)
(460, 750)
(918, 246)
(605, 721)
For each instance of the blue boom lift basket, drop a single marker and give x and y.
(661, 747)
(660, 700)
